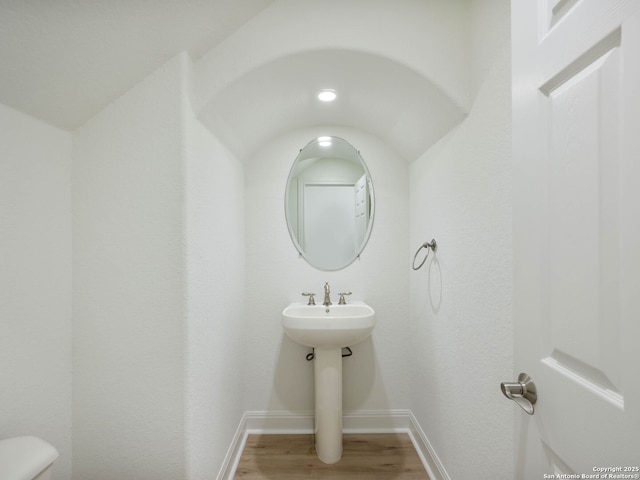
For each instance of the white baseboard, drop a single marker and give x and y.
(232, 458)
(368, 421)
(279, 422)
(425, 450)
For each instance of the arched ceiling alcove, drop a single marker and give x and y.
(374, 94)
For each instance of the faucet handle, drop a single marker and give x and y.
(342, 301)
(311, 299)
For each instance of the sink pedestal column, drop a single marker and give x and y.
(328, 400)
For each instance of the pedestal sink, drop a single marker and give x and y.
(327, 330)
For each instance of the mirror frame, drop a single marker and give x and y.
(293, 235)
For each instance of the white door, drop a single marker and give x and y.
(329, 228)
(576, 149)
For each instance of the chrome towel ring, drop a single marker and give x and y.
(428, 245)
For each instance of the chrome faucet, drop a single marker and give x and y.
(327, 295)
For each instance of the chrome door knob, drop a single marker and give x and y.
(523, 392)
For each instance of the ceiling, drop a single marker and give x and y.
(62, 61)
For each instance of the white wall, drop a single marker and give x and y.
(159, 296)
(35, 283)
(128, 267)
(461, 301)
(215, 292)
(278, 378)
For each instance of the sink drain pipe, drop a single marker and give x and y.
(348, 353)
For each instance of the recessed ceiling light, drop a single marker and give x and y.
(327, 95)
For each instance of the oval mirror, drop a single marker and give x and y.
(329, 203)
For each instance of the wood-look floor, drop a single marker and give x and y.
(366, 456)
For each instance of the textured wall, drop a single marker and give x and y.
(35, 283)
(128, 267)
(277, 375)
(461, 301)
(215, 293)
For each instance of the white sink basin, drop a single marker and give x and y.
(335, 326)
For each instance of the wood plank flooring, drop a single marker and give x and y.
(366, 456)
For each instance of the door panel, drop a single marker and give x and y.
(583, 259)
(329, 228)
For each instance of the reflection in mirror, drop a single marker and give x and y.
(329, 203)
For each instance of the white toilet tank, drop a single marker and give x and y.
(26, 458)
